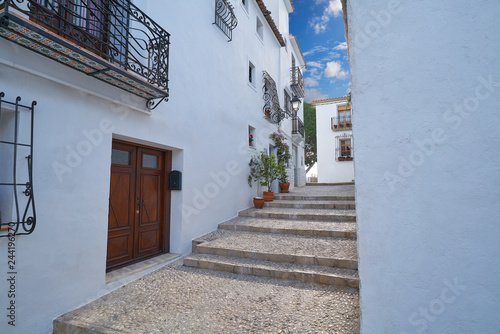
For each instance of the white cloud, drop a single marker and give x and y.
(315, 49)
(333, 9)
(341, 46)
(315, 72)
(314, 64)
(334, 70)
(313, 94)
(311, 82)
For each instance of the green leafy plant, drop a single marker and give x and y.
(282, 175)
(256, 167)
(269, 171)
(282, 149)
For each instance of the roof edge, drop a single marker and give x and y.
(335, 99)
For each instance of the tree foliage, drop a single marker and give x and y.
(310, 132)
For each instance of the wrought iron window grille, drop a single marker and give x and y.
(297, 81)
(297, 126)
(341, 123)
(272, 109)
(225, 18)
(23, 220)
(111, 40)
(288, 104)
(348, 152)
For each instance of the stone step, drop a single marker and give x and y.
(303, 204)
(309, 274)
(301, 214)
(296, 227)
(317, 251)
(293, 197)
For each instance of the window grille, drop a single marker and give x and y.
(17, 212)
(225, 18)
(344, 149)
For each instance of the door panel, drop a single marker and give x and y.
(138, 204)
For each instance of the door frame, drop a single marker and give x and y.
(167, 167)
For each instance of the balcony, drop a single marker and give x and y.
(297, 82)
(297, 129)
(111, 40)
(342, 123)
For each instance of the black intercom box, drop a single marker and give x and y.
(175, 180)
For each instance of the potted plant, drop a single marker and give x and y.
(250, 140)
(341, 158)
(269, 173)
(283, 177)
(341, 125)
(348, 125)
(255, 175)
(348, 158)
(335, 126)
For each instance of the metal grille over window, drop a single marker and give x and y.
(297, 82)
(17, 203)
(344, 148)
(272, 110)
(288, 104)
(225, 18)
(110, 40)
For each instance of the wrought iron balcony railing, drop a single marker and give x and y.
(297, 126)
(111, 40)
(297, 82)
(341, 123)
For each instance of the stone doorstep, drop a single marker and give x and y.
(308, 260)
(259, 213)
(299, 205)
(294, 231)
(306, 274)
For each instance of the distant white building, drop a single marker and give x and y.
(334, 141)
(104, 185)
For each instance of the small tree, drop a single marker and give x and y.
(282, 149)
(282, 175)
(263, 169)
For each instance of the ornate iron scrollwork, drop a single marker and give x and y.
(21, 221)
(225, 18)
(272, 109)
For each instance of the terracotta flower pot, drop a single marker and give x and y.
(268, 196)
(284, 187)
(258, 202)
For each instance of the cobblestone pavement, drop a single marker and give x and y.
(177, 299)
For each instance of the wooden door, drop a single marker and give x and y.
(139, 204)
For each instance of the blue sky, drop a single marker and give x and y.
(319, 28)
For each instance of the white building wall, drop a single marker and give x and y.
(329, 169)
(425, 87)
(205, 123)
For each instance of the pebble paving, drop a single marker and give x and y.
(178, 299)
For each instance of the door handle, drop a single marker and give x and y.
(142, 203)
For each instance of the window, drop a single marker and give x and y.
(288, 103)
(260, 29)
(244, 3)
(251, 73)
(344, 149)
(343, 119)
(251, 132)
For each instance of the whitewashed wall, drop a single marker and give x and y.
(426, 90)
(330, 170)
(205, 124)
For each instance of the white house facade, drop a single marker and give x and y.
(139, 139)
(425, 83)
(335, 146)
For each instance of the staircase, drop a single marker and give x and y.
(303, 237)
